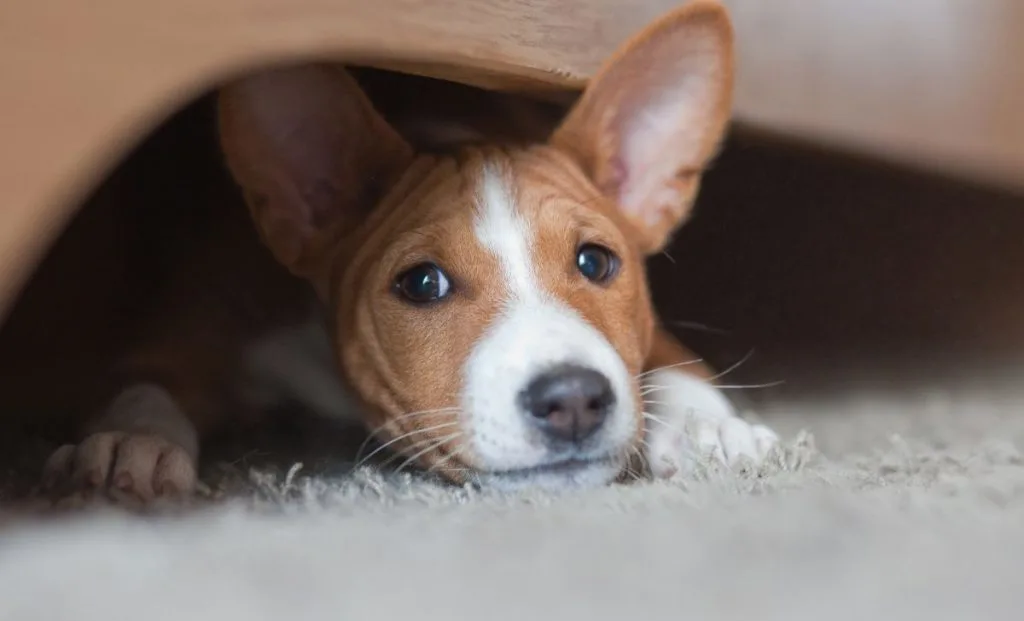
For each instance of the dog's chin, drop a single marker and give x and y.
(564, 475)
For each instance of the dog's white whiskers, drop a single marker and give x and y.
(403, 436)
(633, 450)
(641, 455)
(732, 368)
(372, 434)
(650, 388)
(668, 366)
(437, 466)
(404, 451)
(749, 386)
(415, 414)
(660, 421)
(429, 448)
(647, 389)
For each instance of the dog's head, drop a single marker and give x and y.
(491, 306)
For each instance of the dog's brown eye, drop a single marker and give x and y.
(597, 263)
(423, 284)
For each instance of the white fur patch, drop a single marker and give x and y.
(501, 230)
(533, 332)
(688, 418)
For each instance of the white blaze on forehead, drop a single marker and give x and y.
(532, 332)
(503, 231)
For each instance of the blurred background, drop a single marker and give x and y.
(863, 226)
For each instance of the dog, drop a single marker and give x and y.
(482, 308)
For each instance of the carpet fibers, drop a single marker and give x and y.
(906, 507)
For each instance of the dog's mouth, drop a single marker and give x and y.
(558, 474)
(562, 466)
(569, 473)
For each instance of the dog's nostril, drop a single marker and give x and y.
(569, 403)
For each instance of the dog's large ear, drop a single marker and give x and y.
(652, 117)
(311, 155)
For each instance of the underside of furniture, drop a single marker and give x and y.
(937, 84)
(929, 82)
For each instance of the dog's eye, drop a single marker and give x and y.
(597, 263)
(423, 283)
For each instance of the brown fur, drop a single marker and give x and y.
(402, 359)
(344, 202)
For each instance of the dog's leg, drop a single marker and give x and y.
(687, 418)
(143, 446)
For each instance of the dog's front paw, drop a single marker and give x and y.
(689, 420)
(121, 466)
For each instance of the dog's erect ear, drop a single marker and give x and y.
(311, 155)
(653, 116)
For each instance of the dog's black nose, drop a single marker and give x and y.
(568, 403)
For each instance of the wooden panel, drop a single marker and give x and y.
(82, 80)
(932, 82)
(936, 83)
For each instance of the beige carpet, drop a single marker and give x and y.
(913, 509)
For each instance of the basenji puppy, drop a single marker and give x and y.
(486, 305)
